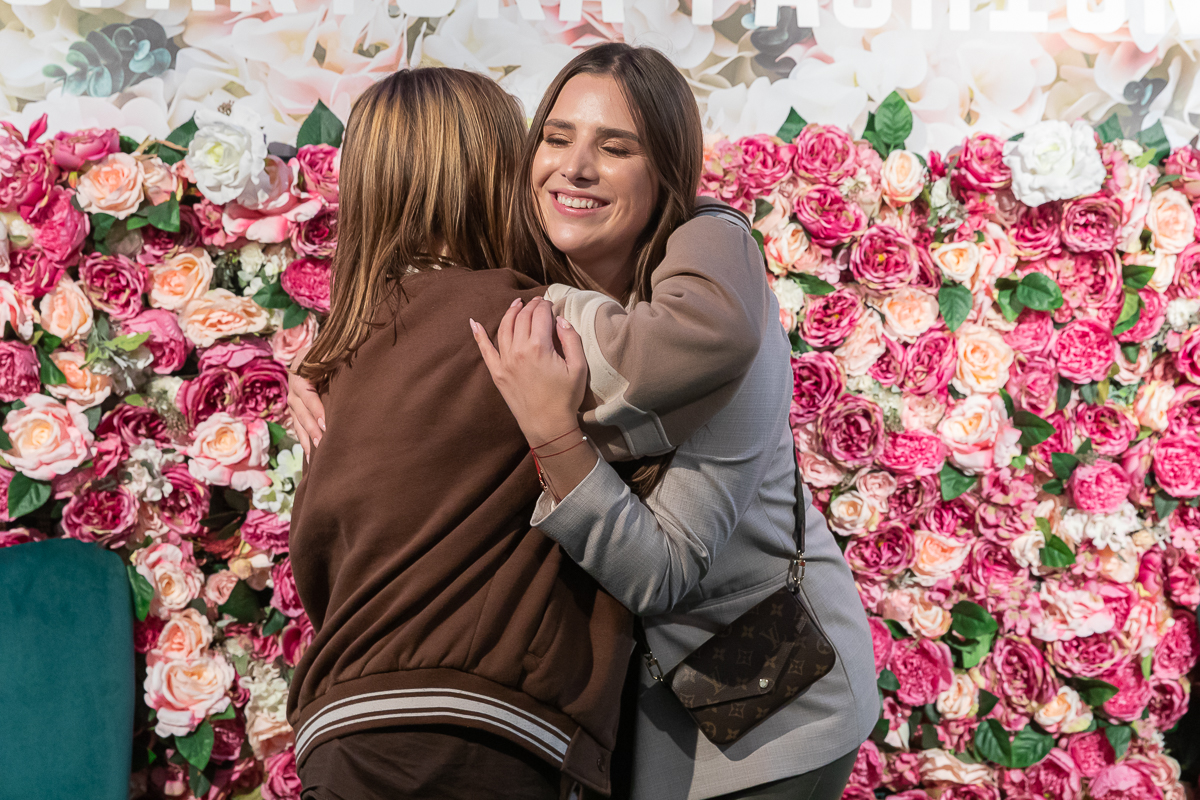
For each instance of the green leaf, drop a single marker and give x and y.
(198, 782)
(321, 127)
(1018, 462)
(791, 126)
(955, 303)
(1043, 525)
(272, 295)
(987, 701)
(1065, 388)
(1094, 691)
(181, 136)
(135, 400)
(931, 713)
(888, 681)
(1147, 660)
(1010, 304)
(135, 222)
(229, 713)
(275, 622)
(880, 731)
(93, 415)
(1146, 158)
(971, 651)
(1034, 429)
(1110, 129)
(1039, 292)
(1029, 747)
(993, 743)
(26, 495)
(929, 737)
(47, 341)
(1056, 553)
(1054, 486)
(1119, 737)
(758, 239)
(1165, 180)
(101, 225)
(127, 144)
(1131, 312)
(294, 315)
(761, 209)
(893, 120)
(811, 284)
(50, 374)
(971, 620)
(1155, 138)
(197, 746)
(896, 628)
(1063, 464)
(129, 342)
(1164, 504)
(1009, 407)
(1016, 137)
(1090, 393)
(1136, 276)
(165, 215)
(954, 482)
(279, 433)
(143, 592)
(242, 604)
(1085, 448)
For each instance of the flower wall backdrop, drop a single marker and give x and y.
(997, 373)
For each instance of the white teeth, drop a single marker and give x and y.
(578, 202)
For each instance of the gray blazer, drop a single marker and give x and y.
(712, 540)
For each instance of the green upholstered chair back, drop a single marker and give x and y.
(66, 673)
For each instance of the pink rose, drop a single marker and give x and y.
(883, 259)
(722, 178)
(285, 597)
(230, 452)
(979, 435)
(187, 504)
(767, 161)
(112, 186)
(288, 343)
(173, 573)
(70, 150)
(295, 639)
(1123, 782)
(930, 362)
(28, 182)
(889, 368)
(1183, 578)
(1033, 333)
(33, 273)
(316, 237)
(902, 772)
(1133, 691)
(829, 319)
(214, 390)
(992, 577)
(235, 355)
(824, 154)
(211, 225)
(1154, 314)
(924, 669)
(183, 693)
(59, 228)
(818, 381)
(868, 766)
(218, 587)
(19, 371)
(1055, 776)
(886, 552)
(103, 516)
(1034, 386)
(282, 783)
(114, 283)
(264, 389)
(266, 209)
(317, 166)
(1099, 488)
(1091, 752)
(1179, 648)
(1187, 272)
(228, 737)
(48, 438)
(166, 341)
(913, 453)
(1036, 232)
(1110, 428)
(265, 531)
(1091, 223)
(1016, 671)
(159, 245)
(829, 218)
(851, 431)
(980, 166)
(158, 180)
(306, 280)
(1091, 286)
(1177, 465)
(1168, 703)
(1187, 358)
(881, 643)
(1185, 162)
(1085, 349)
(913, 496)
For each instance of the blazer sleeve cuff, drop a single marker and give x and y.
(584, 511)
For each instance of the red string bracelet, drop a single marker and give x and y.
(560, 452)
(555, 439)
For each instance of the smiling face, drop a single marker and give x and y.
(592, 181)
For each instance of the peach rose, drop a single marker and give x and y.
(186, 635)
(902, 177)
(159, 181)
(16, 309)
(983, 360)
(996, 257)
(921, 412)
(957, 261)
(941, 766)
(1154, 399)
(220, 314)
(1171, 221)
(961, 699)
(252, 566)
(219, 586)
(112, 186)
(174, 575)
(786, 248)
(929, 620)
(908, 312)
(183, 693)
(230, 452)
(288, 343)
(83, 386)
(180, 279)
(67, 312)
(1064, 713)
(851, 515)
(267, 733)
(876, 487)
(938, 556)
(48, 438)
(863, 347)
(1120, 566)
(979, 434)
(1163, 263)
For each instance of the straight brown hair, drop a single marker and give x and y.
(668, 125)
(428, 164)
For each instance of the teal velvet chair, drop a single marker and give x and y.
(66, 673)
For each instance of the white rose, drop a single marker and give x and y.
(941, 766)
(957, 261)
(902, 177)
(789, 294)
(1026, 550)
(851, 515)
(1171, 221)
(957, 701)
(1054, 161)
(1183, 313)
(226, 153)
(1113, 530)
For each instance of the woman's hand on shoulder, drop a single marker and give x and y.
(542, 388)
(308, 412)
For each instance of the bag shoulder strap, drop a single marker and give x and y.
(796, 570)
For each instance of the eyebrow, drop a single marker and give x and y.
(603, 132)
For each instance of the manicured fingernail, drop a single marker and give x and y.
(515, 303)
(474, 325)
(562, 323)
(321, 422)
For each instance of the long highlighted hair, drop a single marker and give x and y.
(428, 163)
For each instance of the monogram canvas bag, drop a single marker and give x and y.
(758, 664)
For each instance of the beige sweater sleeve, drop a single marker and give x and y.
(661, 369)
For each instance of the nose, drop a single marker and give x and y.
(580, 165)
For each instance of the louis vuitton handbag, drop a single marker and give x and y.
(758, 664)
